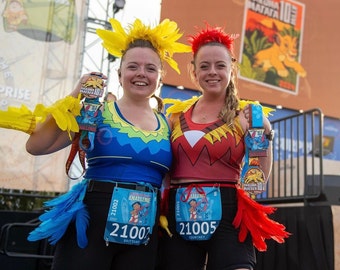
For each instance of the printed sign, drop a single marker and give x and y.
(39, 63)
(198, 212)
(271, 45)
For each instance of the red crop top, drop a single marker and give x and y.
(210, 152)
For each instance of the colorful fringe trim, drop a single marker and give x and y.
(252, 217)
(177, 105)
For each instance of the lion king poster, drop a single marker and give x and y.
(271, 44)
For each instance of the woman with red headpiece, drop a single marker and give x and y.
(221, 159)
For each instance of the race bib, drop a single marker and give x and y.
(198, 212)
(131, 216)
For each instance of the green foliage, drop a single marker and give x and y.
(254, 42)
(246, 70)
(290, 32)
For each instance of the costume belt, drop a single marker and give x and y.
(203, 184)
(107, 187)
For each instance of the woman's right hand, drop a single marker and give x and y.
(47, 136)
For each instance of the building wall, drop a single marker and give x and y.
(318, 52)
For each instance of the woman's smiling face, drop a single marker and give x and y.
(140, 72)
(213, 68)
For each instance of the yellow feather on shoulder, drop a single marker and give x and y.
(183, 105)
(179, 105)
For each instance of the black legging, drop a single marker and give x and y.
(98, 256)
(224, 249)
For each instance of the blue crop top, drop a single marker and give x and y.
(125, 153)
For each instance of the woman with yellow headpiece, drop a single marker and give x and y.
(108, 220)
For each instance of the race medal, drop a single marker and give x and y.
(256, 142)
(256, 145)
(89, 113)
(92, 90)
(93, 87)
(253, 180)
(131, 216)
(198, 212)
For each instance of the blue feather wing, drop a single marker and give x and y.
(65, 209)
(82, 222)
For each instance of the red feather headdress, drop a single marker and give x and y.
(212, 34)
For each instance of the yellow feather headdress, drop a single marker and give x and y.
(163, 38)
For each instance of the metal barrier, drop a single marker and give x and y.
(10, 234)
(18, 217)
(297, 171)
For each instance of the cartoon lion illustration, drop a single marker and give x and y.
(280, 55)
(254, 175)
(94, 83)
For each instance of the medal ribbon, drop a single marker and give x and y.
(187, 192)
(90, 115)
(252, 177)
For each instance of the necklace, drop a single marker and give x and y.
(201, 114)
(204, 117)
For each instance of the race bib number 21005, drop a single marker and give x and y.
(198, 212)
